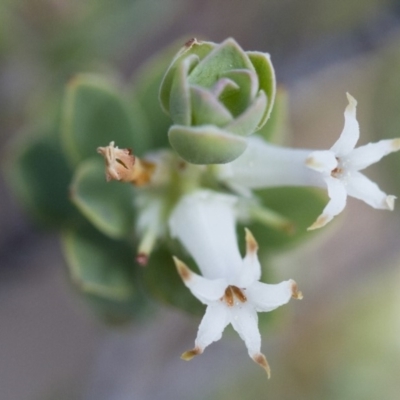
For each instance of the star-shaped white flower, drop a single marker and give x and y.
(340, 168)
(204, 222)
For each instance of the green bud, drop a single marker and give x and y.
(216, 95)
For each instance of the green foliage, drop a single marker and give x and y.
(104, 270)
(95, 113)
(39, 174)
(107, 205)
(220, 91)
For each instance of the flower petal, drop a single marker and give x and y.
(364, 156)
(251, 269)
(266, 297)
(351, 131)
(210, 330)
(205, 290)
(362, 188)
(322, 161)
(204, 222)
(337, 194)
(244, 320)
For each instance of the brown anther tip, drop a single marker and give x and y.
(142, 259)
(296, 293)
(262, 362)
(183, 270)
(188, 355)
(251, 243)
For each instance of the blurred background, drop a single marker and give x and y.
(342, 341)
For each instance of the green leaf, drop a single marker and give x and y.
(179, 103)
(246, 123)
(226, 57)
(239, 100)
(197, 48)
(94, 114)
(207, 109)
(39, 174)
(162, 280)
(206, 144)
(107, 205)
(277, 129)
(266, 77)
(301, 206)
(104, 270)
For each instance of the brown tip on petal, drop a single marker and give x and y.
(251, 243)
(188, 355)
(142, 259)
(183, 270)
(321, 221)
(390, 202)
(262, 362)
(296, 294)
(396, 144)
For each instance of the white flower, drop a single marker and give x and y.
(340, 168)
(204, 222)
(265, 165)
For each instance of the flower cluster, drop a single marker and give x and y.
(204, 221)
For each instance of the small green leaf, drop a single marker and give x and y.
(162, 281)
(179, 105)
(39, 174)
(107, 205)
(226, 57)
(266, 76)
(197, 48)
(301, 206)
(94, 114)
(104, 270)
(246, 123)
(239, 100)
(207, 109)
(206, 144)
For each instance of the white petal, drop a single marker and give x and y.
(265, 297)
(337, 194)
(364, 156)
(251, 269)
(204, 222)
(322, 161)
(351, 131)
(206, 290)
(212, 325)
(244, 320)
(360, 187)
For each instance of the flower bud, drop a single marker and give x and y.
(216, 95)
